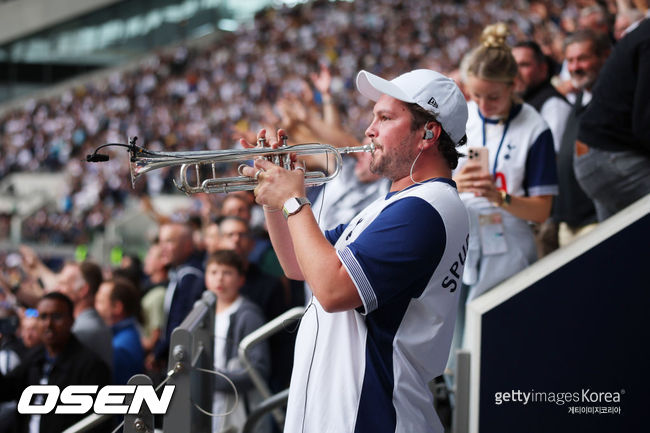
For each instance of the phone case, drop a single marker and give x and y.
(479, 156)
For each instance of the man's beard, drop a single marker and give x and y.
(396, 165)
(583, 81)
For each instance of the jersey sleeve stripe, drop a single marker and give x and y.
(543, 190)
(360, 280)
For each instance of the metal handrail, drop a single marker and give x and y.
(87, 423)
(262, 333)
(271, 403)
(141, 422)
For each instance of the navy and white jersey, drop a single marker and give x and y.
(522, 159)
(520, 149)
(367, 370)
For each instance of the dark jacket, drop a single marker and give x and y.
(571, 205)
(538, 95)
(245, 320)
(76, 365)
(188, 282)
(618, 117)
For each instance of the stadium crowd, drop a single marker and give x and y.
(192, 99)
(291, 67)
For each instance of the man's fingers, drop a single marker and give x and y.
(260, 166)
(245, 144)
(261, 135)
(264, 164)
(248, 171)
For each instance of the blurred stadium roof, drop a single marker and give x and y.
(111, 34)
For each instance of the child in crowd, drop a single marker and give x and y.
(236, 317)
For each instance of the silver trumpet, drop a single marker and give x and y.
(143, 161)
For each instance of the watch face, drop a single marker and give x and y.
(292, 205)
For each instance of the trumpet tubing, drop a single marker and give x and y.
(191, 163)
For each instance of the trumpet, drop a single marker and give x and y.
(142, 161)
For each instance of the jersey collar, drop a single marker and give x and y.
(514, 110)
(446, 180)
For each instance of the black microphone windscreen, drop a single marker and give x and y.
(97, 157)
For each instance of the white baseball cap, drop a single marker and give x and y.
(437, 94)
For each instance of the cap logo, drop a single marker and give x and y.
(432, 102)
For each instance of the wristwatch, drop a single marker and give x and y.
(293, 205)
(505, 198)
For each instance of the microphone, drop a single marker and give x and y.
(96, 157)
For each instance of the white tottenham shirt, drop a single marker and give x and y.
(367, 370)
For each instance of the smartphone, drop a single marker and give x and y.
(479, 156)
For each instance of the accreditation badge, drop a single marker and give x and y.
(493, 239)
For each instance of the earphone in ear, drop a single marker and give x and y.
(428, 134)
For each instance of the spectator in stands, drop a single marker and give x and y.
(11, 347)
(596, 18)
(239, 204)
(211, 237)
(118, 303)
(195, 224)
(264, 290)
(626, 21)
(236, 317)
(185, 283)
(153, 299)
(522, 170)
(80, 282)
(131, 268)
(12, 351)
(29, 333)
(612, 164)
(61, 361)
(38, 278)
(585, 52)
(534, 86)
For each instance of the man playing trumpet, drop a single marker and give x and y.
(380, 322)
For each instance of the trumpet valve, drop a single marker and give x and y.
(286, 161)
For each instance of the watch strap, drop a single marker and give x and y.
(505, 198)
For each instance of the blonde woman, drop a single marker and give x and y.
(516, 183)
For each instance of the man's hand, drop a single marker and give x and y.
(152, 364)
(31, 262)
(322, 81)
(275, 185)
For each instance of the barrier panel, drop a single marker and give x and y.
(559, 347)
